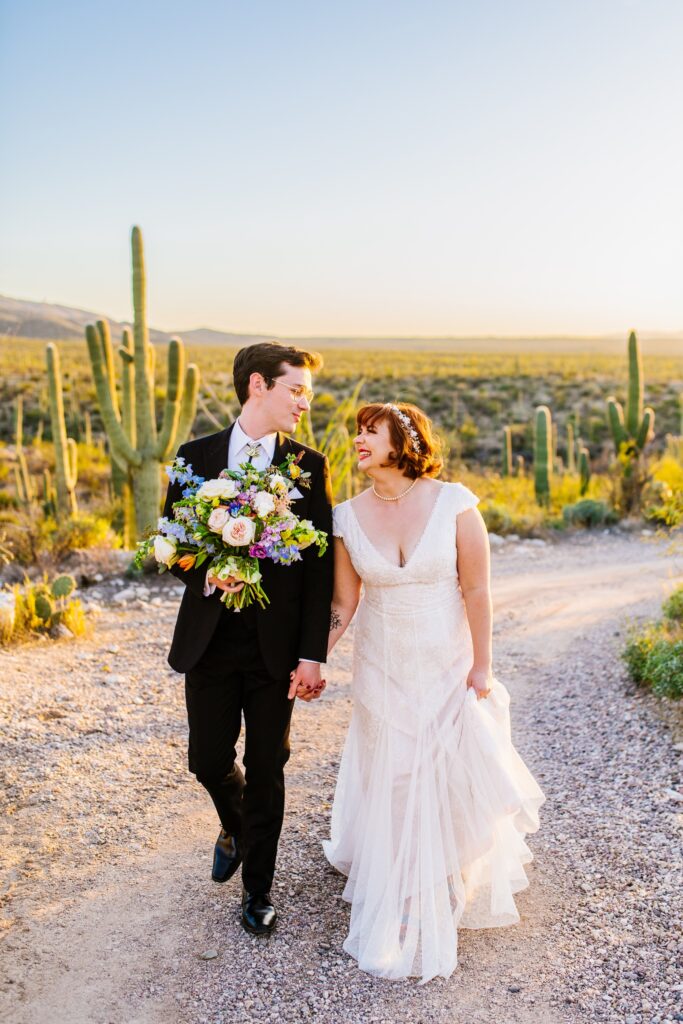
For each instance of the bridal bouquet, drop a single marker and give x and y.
(232, 523)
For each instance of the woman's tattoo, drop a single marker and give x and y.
(335, 619)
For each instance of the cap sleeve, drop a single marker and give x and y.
(339, 520)
(464, 499)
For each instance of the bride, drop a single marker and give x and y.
(432, 801)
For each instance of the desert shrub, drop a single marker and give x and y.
(496, 518)
(588, 512)
(41, 607)
(81, 531)
(673, 606)
(654, 653)
(664, 667)
(637, 651)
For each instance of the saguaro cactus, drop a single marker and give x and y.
(584, 469)
(507, 451)
(132, 432)
(66, 451)
(543, 454)
(571, 453)
(637, 428)
(22, 477)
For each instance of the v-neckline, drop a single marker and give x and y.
(380, 554)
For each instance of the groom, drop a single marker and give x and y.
(239, 663)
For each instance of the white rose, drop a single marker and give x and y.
(218, 519)
(263, 503)
(278, 484)
(239, 531)
(218, 489)
(164, 549)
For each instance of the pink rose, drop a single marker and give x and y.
(218, 519)
(239, 531)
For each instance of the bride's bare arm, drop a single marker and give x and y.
(346, 593)
(472, 545)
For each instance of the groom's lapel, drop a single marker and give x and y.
(282, 447)
(217, 454)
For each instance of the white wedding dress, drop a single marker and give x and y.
(432, 801)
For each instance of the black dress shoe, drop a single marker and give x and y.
(258, 913)
(226, 857)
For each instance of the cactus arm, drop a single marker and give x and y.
(647, 428)
(188, 408)
(543, 454)
(128, 386)
(66, 494)
(117, 435)
(108, 363)
(19, 484)
(634, 402)
(571, 459)
(507, 451)
(19, 423)
(166, 443)
(615, 416)
(71, 462)
(144, 391)
(584, 470)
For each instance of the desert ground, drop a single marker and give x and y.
(108, 913)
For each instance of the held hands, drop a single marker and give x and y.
(230, 584)
(478, 680)
(305, 682)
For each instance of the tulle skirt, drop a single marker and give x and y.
(428, 825)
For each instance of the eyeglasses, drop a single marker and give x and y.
(298, 391)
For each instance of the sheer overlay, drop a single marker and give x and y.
(432, 801)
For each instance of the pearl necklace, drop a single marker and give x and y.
(383, 497)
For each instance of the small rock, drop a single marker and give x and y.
(209, 954)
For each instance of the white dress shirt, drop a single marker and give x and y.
(238, 453)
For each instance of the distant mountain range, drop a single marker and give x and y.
(23, 319)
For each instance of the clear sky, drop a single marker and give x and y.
(377, 167)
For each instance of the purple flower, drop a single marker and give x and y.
(258, 551)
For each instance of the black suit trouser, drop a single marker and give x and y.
(229, 680)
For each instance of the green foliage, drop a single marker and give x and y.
(663, 496)
(63, 586)
(135, 442)
(85, 530)
(654, 653)
(673, 606)
(588, 512)
(40, 607)
(34, 537)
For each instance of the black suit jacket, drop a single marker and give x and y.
(296, 623)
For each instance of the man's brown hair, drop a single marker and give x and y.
(266, 358)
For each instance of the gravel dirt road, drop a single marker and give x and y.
(107, 909)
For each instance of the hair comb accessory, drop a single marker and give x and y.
(407, 424)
